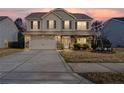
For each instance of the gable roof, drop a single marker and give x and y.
(57, 11)
(38, 15)
(119, 18)
(3, 17)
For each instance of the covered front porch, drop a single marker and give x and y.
(63, 39)
(67, 42)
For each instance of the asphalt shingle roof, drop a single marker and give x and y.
(119, 18)
(81, 16)
(38, 15)
(3, 17)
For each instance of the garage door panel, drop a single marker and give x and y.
(42, 43)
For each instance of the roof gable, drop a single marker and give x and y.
(3, 17)
(57, 12)
(63, 13)
(51, 12)
(119, 18)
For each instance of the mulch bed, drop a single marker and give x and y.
(104, 77)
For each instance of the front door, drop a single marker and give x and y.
(66, 41)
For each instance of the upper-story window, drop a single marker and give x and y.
(51, 24)
(66, 24)
(81, 25)
(35, 25)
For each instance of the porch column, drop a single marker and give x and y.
(73, 41)
(89, 41)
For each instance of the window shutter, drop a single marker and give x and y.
(47, 24)
(87, 25)
(38, 24)
(54, 24)
(70, 24)
(31, 24)
(75, 25)
(62, 24)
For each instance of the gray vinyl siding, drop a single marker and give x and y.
(51, 17)
(114, 31)
(72, 26)
(58, 16)
(28, 23)
(8, 31)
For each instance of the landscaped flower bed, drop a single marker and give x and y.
(104, 77)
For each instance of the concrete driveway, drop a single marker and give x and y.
(37, 66)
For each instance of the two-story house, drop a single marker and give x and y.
(8, 32)
(51, 30)
(113, 30)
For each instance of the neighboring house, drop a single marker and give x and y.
(51, 30)
(8, 31)
(114, 31)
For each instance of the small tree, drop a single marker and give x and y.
(100, 41)
(20, 25)
(97, 27)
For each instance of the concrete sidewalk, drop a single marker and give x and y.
(97, 67)
(37, 67)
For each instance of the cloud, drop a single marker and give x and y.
(105, 14)
(99, 14)
(96, 13)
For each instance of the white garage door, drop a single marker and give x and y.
(38, 42)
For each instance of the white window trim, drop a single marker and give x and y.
(66, 24)
(81, 25)
(35, 24)
(82, 40)
(51, 24)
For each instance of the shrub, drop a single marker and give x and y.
(101, 44)
(85, 46)
(93, 45)
(13, 44)
(106, 43)
(60, 46)
(77, 46)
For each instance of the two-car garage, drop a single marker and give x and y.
(43, 42)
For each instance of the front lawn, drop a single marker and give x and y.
(8, 51)
(104, 77)
(91, 57)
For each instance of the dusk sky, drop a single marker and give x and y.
(96, 13)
